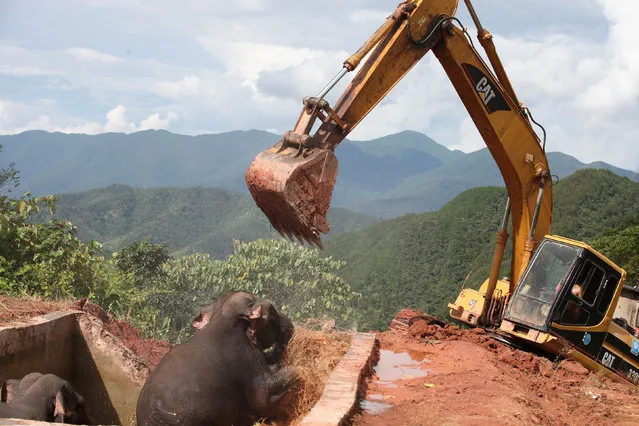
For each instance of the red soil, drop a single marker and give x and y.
(12, 310)
(149, 349)
(473, 380)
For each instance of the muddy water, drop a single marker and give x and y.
(391, 369)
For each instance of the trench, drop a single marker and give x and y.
(74, 346)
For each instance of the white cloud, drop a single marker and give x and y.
(16, 117)
(469, 138)
(20, 71)
(248, 59)
(84, 54)
(154, 121)
(188, 86)
(618, 87)
(364, 15)
(116, 121)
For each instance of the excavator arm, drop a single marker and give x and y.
(292, 181)
(508, 135)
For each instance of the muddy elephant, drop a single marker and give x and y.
(43, 397)
(217, 377)
(274, 335)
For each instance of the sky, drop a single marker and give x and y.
(208, 66)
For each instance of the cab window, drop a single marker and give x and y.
(607, 292)
(574, 314)
(588, 282)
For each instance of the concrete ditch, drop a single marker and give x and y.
(346, 385)
(73, 345)
(76, 346)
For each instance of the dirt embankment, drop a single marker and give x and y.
(12, 310)
(443, 375)
(150, 350)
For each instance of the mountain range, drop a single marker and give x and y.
(204, 220)
(407, 172)
(422, 260)
(416, 260)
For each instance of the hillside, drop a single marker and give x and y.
(205, 220)
(390, 176)
(396, 144)
(431, 190)
(422, 260)
(63, 163)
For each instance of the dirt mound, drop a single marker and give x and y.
(12, 309)
(149, 349)
(445, 375)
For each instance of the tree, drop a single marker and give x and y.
(9, 178)
(142, 259)
(43, 258)
(301, 282)
(622, 247)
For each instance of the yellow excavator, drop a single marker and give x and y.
(562, 294)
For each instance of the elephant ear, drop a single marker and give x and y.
(201, 320)
(60, 410)
(8, 389)
(274, 314)
(271, 314)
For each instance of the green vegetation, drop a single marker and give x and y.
(164, 294)
(159, 285)
(591, 202)
(40, 258)
(622, 246)
(190, 220)
(143, 284)
(421, 261)
(303, 283)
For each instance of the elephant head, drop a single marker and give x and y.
(271, 331)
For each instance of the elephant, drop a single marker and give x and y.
(44, 397)
(272, 338)
(12, 387)
(217, 377)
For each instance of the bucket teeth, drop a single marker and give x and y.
(294, 192)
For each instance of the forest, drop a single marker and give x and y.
(159, 268)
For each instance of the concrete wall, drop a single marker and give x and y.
(628, 306)
(44, 345)
(75, 347)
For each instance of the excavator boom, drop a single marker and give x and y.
(292, 181)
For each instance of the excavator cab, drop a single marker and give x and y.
(566, 301)
(542, 283)
(567, 283)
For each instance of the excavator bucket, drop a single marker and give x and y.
(293, 188)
